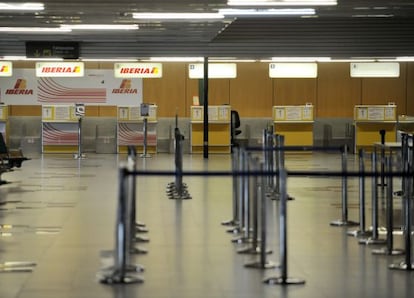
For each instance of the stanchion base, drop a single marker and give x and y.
(116, 277)
(141, 229)
(145, 155)
(284, 281)
(19, 266)
(140, 224)
(230, 222)
(141, 239)
(235, 230)
(386, 252)
(242, 239)
(252, 250)
(138, 251)
(79, 156)
(343, 223)
(402, 266)
(359, 233)
(260, 265)
(372, 241)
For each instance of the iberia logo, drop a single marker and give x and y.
(125, 88)
(4, 68)
(139, 70)
(20, 88)
(61, 69)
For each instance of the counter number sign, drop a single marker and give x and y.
(79, 110)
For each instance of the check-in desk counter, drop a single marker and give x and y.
(60, 129)
(4, 124)
(369, 120)
(295, 123)
(219, 129)
(130, 129)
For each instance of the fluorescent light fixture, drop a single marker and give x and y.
(281, 2)
(267, 12)
(375, 70)
(34, 29)
(29, 6)
(405, 58)
(301, 59)
(215, 70)
(175, 59)
(109, 59)
(293, 70)
(176, 16)
(24, 58)
(99, 27)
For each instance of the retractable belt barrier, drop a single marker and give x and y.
(251, 178)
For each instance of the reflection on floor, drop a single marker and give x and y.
(58, 214)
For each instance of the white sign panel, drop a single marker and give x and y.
(215, 70)
(375, 69)
(6, 69)
(60, 69)
(98, 86)
(138, 70)
(293, 70)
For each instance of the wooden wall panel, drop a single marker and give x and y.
(25, 110)
(168, 92)
(91, 111)
(251, 92)
(294, 91)
(108, 111)
(218, 91)
(337, 92)
(380, 91)
(410, 90)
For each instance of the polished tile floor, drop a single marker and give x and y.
(59, 213)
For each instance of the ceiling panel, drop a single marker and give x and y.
(353, 28)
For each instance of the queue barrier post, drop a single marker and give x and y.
(121, 272)
(235, 194)
(344, 193)
(408, 167)
(245, 190)
(389, 248)
(374, 239)
(362, 232)
(283, 279)
(135, 226)
(261, 248)
(145, 153)
(177, 189)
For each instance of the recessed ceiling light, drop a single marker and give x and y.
(34, 6)
(267, 12)
(34, 29)
(176, 16)
(100, 27)
(281, 2)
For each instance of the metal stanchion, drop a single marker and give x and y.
(177, 189)
(145, 128)
(280, 164)
(344, 221)
(235, 205)
(389, 249)
(261, 248)
(79, 155)
(362, 229)
(382, 134)
(120, 272)
(135, 227)
(239, 164)
(407, 263)
(245, 219)
(374, 239)
(283, 279)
